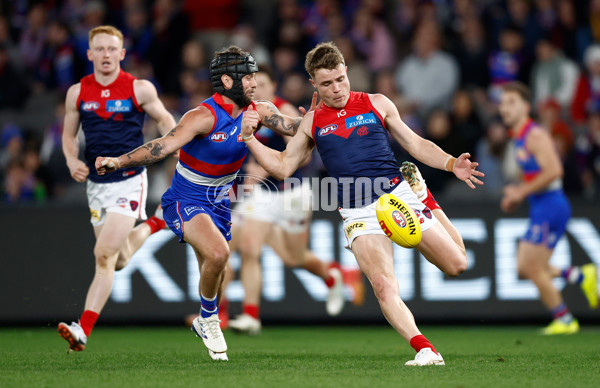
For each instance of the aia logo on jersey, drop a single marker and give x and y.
(90, 106)
(326, 130)
(219, 137)
(134, 205)
(399, 218)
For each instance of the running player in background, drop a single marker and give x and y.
(549, 210)
(350, 131)
(281, 220)
(196, 206)
(110, 105)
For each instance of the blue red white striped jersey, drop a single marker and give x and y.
(354, 144)
(215, 159)
(112, 122)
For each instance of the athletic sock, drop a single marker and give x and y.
(430, 201)
(573, 275)
(562, 313)
(330, 281)
(155, 224)
(419, 342)
(208, 306)
(252, 310)
(88, 320)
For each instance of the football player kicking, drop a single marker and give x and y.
(549, 210)
(350, 131)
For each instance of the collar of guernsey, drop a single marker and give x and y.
(216, 158)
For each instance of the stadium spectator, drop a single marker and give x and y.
(554, 76)
(57, 68)
(493, 155)
(472, 54)
(14, 88)
(587, 93)
(506, 64)
(33, 36)
(373, 41)
(588, 157)
(428, 77)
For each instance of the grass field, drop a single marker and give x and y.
(371, 356)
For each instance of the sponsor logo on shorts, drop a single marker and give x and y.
(134, 205)
(350, 229)
(177, 224)
(95, 215)
(118, 106)
(191, 209)
(399, 218)
(122, 202)
(355, 121)
(219, 137)
(90, 106)
(427, 213)
(328, 129)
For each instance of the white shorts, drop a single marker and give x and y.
(290, 209)
(363, 220)
(126, 197)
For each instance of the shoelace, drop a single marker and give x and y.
(213, 327)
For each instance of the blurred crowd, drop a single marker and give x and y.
(442, 63)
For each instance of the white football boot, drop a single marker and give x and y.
(335, 298)
(412, 176)
(74, 334)
(426, 357)
(245, 323)
(209, 330)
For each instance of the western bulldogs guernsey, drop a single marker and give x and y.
(354, 145)
(112, 121)
(549, 210)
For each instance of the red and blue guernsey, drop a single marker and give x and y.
(207, 167)
(549, 209)
(112, 122)
(354, 145)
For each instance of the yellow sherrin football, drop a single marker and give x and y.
(398, 221)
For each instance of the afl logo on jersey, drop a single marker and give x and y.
(219, 137)
(326, 130)
(90, 106)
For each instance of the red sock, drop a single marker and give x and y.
(224, 305)
(252, 310)
(430, 202)
(155, 224)
(330, 281)
(419, 342)
(88, 320)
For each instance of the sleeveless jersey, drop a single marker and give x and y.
(112, 122)
(354, 145)
(525, 159)
(209, 164)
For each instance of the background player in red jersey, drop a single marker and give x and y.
(350, 132)
(549, 210)
(110, 105)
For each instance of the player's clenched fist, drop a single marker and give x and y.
(106, 164)
(250, 121)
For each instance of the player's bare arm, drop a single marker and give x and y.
(147, 97)
(424, 150)
(78, 169)
(541, 147)
(196, 122)
(273, 119)
(282, 164)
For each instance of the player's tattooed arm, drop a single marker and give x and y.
(278, 122)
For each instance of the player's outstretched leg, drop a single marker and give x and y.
(74, 334)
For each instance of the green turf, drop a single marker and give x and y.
(344, 357)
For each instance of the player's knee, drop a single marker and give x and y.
(218, 257)
(250, 251)
(105, 257)
(385, 286)
(456, 267)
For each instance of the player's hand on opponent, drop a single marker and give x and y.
(465, 170)
(106, 164)
(250, 120)
(79, 171)
(313, 105)
(512, 198)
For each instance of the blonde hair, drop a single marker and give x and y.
(323, 56)
(110, 30)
